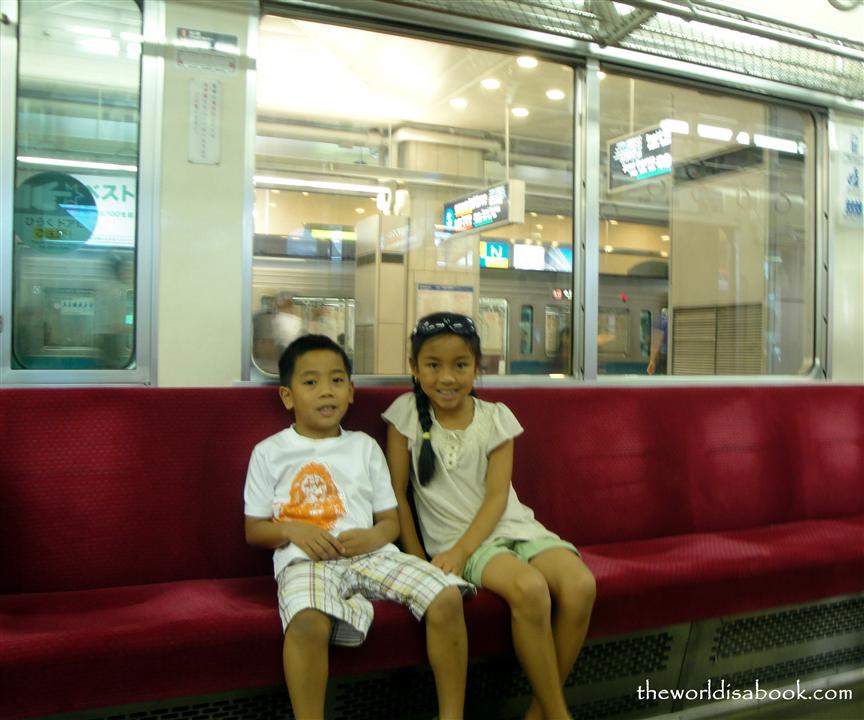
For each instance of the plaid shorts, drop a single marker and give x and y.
(344, 588)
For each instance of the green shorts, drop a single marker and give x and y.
(523, 549)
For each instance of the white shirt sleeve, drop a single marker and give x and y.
(383, 497)
(505, 426)
(258, 493)
(402, 414)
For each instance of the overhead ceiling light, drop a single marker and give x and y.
(560, 217)
(664, 238)
(458, 103)
(491, 83)
(613, 222)
(670, 125)
(600, 74)
(607, 248)
(774, 143)
(663, 253)
(527, 62)
(520, 112)
(75, 164)
(319, 184)
(743, 138)
(360, 211)
(714, 132)
(555, 94)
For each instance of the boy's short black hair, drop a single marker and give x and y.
(303, 345)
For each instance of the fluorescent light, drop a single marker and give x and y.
(91, 31)
(527, 62)
(664, 238)
(743, 138)
(770, 142)
(101, 46)
(670, 125)
(607, 248)
(555, 94)
(520, 112)
(76, 164)
(458, 103)
(491, 83)
(714, 132)
(320, 184)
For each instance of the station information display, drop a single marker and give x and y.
(502, 204)
(633, 158)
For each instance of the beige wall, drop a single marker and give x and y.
(200, 264)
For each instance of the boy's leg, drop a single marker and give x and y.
(573, 591)
(526, 592)
(447, 649)
(305, 659)
(436, 598)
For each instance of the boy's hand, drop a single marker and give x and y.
(451, 561)
(316, 542)
(360, 541)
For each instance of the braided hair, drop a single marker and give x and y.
(428, 327)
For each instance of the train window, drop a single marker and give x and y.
(74, 247)
(526, 330)
(411, 176)
(707, 209)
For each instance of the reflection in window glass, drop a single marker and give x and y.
(707, 208)
(76, 185)
(399, 145)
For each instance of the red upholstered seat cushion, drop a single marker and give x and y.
(661, 581)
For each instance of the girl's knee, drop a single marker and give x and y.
(530, 593)
(446, 607)
(577, 590)
(308, 627)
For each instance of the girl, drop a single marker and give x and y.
(458, 452)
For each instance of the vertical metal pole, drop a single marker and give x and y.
(8, 112)
(589, 166)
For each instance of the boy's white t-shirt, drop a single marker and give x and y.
(446, 506)
(336, 483)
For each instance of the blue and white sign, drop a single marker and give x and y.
(54, 211)
(495, 206)
(850, 180)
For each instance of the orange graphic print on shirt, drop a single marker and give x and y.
(314, 498)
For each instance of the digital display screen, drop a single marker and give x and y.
(639, 157)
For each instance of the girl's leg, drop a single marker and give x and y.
(526, 592)
(447, 649)
(573, 591)
(305, 659)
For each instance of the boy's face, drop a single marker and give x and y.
(320, 393)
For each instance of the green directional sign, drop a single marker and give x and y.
(54, 211)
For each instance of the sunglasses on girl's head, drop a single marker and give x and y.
(458, 326)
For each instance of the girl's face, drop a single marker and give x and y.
(446, 368)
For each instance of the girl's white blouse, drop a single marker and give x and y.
(446, 506)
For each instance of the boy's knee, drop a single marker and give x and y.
(446, 607)
(309, 627)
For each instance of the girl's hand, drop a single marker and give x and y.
(451, 561)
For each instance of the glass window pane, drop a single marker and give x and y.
(76, 185)
(407, 176)
(707, 209)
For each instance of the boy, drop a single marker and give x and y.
(320, 497)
